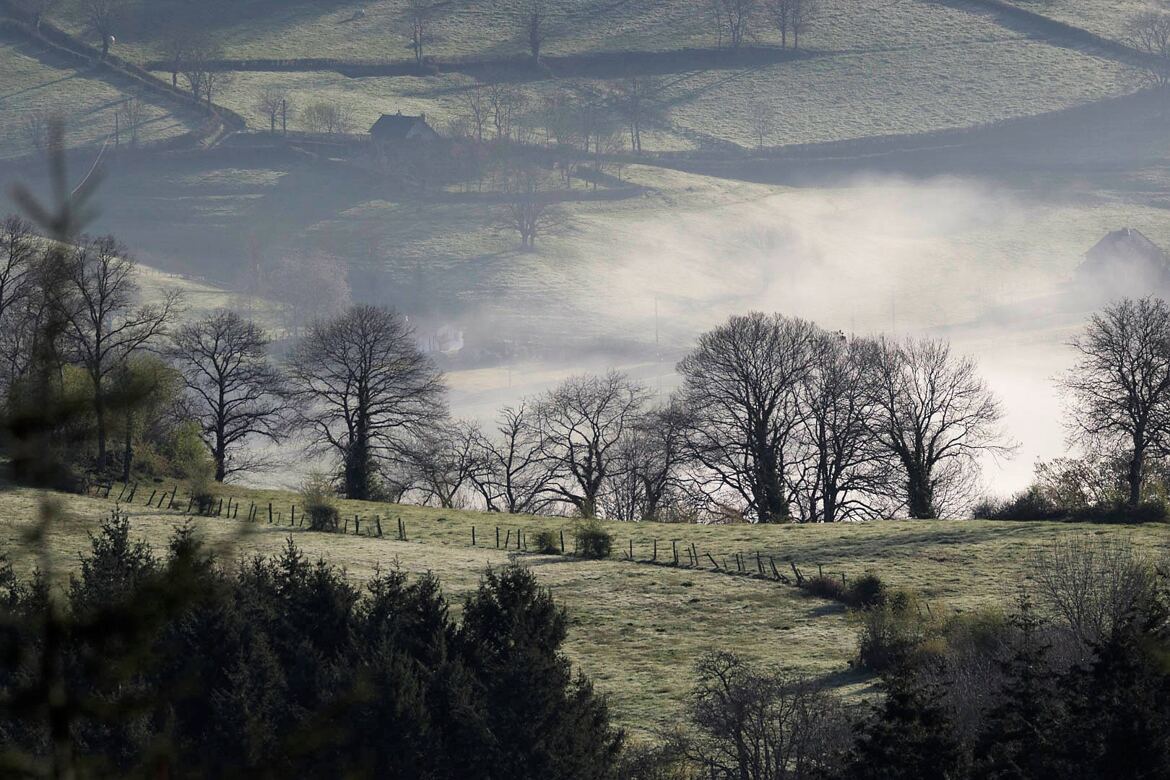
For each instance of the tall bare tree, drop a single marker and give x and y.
(365, 391)
(444, 461)
(527, 207)
(309, 286)
(1149, 33)
(476, 108)
(649, 480)
(273, 103)
(733, 19)
(1119, 389)
(937, 416)
(131, 114)
(742, 386)
(795, 17)
(535, 19)
(762, 120)
(515, 474)
(417, 17)
(638, 98)
(582, 421)
(235, 392)
(19, 255)
(203, 76)
(100, 18)
(106, 325)
(845, 473)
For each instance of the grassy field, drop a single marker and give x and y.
(35, 81)
(637, 628)
(1107, 19)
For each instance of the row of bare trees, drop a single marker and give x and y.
(776, 420)
(736, 21)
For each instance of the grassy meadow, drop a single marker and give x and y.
(36, 81)
(636, 628)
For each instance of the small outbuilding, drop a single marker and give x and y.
(395, 128)
(1124, 263)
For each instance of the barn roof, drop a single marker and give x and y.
(397, 125)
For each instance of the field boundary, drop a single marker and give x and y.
(514, 540)
(223, 121)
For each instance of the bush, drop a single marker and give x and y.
(893, 634)
(317, 496)
(203, 495)
(547, 542)
(1145, 512)
(825, 587)
(593, 541)
(1030, 504)
(868, 590)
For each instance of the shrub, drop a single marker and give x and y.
(1030, 504)
(547, 542)
(317, 497)
(868, 590)
(203, 494)
(593, 541)
(893, 634)
(825, 587)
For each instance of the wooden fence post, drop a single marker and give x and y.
(695, 553)
(473, 536)
(270, 513)
(562, 541)
(655, 556)
(674, 549)
(345, 528)
(357, 525)
(293, 516)
(123, 490)
(631, 549)
(190, 501)
(497, 537)
(150, 500)
(378, 522)
(759, 563)
(713, 561)
(219, 508)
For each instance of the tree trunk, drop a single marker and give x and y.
(920, 493)
(99, 413)
(1134, 476)
(128, 449)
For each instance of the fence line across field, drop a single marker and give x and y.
(515, 540)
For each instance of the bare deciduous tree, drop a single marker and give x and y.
(131, 113)
(648, 482)
(527, 209)
(19, 254)
(105, 327)
(323, 117)
(1149, 33)
(535, 21)
(762, 120)
(638, 100)
(791, 16)
(236, 393)
(204, 78)
(753, 724)
(365, 391)
(515, 475)
(937, 417)
(846, 473)
(416, 20)
(742, 386)
(581, 423)
(443, 461)
(274, 104)
(310, 287)
(100, 16)
(733, 18)
(476, 108)
(1119, 390)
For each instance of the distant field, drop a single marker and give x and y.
(35, 81)
(1107, 18)
(636, 628)
(373, 31)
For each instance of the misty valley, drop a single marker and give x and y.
(655, 389)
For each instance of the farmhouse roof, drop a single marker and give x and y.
(1126, 262)
(401, 126)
